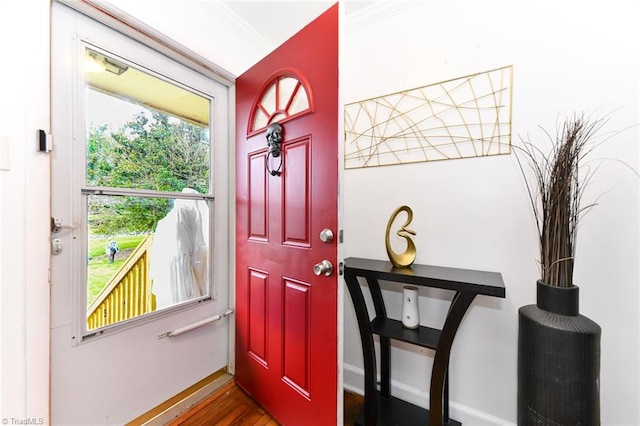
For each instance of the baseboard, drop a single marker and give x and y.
(184, 401)
(354, 382)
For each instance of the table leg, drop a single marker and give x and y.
(368, 349)
(385, 345)
(459, 306)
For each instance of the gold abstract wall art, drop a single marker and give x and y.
(464, 117)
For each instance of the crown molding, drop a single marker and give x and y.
(377, 12)
(236, 25)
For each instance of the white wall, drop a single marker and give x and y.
(474, 213)
(24, 207)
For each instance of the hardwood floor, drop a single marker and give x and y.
(353, 404)
(229, 405)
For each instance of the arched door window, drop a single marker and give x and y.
(284, 97)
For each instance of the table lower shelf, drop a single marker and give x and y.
(426, 337)
(396, 412)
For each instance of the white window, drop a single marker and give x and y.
(147, 191)
(143, 185)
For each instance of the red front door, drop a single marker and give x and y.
(286, 323)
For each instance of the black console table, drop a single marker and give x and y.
(380, 408)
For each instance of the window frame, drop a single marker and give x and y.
(185, 77)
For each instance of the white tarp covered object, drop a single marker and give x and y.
(179, 257)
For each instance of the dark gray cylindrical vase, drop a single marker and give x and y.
(558, 361)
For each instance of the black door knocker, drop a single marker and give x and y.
(274, 142)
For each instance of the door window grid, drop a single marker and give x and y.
(284, 97)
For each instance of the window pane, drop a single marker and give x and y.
(143, 132)
(144, 254)
(300, 101)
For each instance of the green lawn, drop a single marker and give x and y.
(99, 270)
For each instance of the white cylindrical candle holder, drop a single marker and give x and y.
(410, 310)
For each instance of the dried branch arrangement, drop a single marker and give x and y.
(556, 192)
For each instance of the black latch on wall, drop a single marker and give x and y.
(45, 141)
